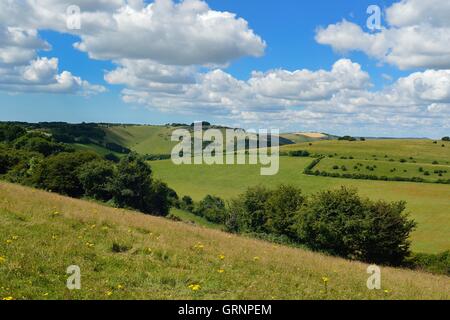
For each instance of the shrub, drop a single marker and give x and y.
(212, 209)
(446, 139)
(39, 144)
(341, 223)
(246, 213)
(187, 203)
(11, 132)
(299, 153)
(281, 209)
(435, 263)
(97, 177)
(59, 173)
(134, 187)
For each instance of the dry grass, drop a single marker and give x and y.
(163, 258)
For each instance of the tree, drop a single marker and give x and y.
(247, 213)
(281, 209)
(10, 132)
(36, 143)
(339, 222)
(446, 139)
(212, 209)
(97, 177)
(59, 173)
(133, 186)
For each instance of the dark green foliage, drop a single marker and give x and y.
(212, 209)
(116, 148)
(187, 204)
(299, 153)
(133, 185)
(11, 132)
(347, 138)
(435, 263)
(59, 173)
(160, 199)
(446, 139)
(247, 212)
(96, 178)
(260, 210)
(281, 209)
(135, 188)
(112, 157)
(40, 144)
(341, 223)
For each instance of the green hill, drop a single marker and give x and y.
(428, 203)
(127, 255)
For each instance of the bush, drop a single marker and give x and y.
(246, 213)
(341, 223)
(299, 153)
(59, 173)
(187, 203)
(39, 144)
(212, 209)
(11, 132)
(97, 177)
(435, 263)
(134, 187)
(446, 139)
(281, 209)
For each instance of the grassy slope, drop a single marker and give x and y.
(162, 260)
(142, 139)
(428, 203)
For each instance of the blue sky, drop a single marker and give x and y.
(288, 27)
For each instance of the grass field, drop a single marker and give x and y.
(142, 139)
(422, 151)
(429, 204)
(430, 173)
(127, 255)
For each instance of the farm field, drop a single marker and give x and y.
(423, 151)
(128, 255)
(429, 204)
(430, 173)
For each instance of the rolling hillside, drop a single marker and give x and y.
(127, 255)
(428, 203)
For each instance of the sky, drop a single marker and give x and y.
(290, 65)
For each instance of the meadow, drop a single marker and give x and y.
(420, 151)
(428, 204)
(430, 173)
(128, 255)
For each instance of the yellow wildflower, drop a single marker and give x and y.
(220, 271)
(325, 280)
(15, 238)
(109, 293)
(8, 299)
(2, 259)
(256, 258)
(221, 257)
(9, 241)
(195, 287)
(120, 287)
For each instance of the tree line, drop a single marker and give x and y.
(36, 159)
